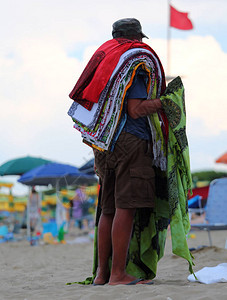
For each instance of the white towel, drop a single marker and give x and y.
(209, 275)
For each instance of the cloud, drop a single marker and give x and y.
(204, 11)
(203, 67)
(35, 83)
(38, 76)
(205, 150)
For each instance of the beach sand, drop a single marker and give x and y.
(40, 272)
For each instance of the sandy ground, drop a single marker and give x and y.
(40, 272)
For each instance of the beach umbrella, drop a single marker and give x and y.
(19, 166)
(222, 159)
(57, 175)
(88, 167)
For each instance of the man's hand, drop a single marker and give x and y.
(140, 108)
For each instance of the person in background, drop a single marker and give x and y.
(34, 210)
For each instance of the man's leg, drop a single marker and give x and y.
(104, 248)
(121, 235)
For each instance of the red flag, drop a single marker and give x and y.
(179, 19)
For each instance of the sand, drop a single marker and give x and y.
(40, 272)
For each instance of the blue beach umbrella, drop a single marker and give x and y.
(88, 167)
(57, 175)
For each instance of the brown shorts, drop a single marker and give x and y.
(126, 174)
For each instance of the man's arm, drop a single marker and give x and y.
(140, 108)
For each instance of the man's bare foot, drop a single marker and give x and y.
(101, 278)
(127, 279)
(99, 281)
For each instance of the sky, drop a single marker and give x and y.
(45, 44)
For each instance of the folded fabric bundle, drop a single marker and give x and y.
(100, 68)
(210, 275)
(89, 117)
(99, 124)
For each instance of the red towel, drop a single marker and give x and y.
(99, 69)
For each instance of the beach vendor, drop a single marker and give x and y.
(121, 111)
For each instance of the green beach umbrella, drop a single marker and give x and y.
(19, 166)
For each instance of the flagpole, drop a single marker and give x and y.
(168, 41)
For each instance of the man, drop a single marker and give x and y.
(117, 109)
(132, 153)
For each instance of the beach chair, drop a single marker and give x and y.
(216, 208)
(195, 206)
(5, 235)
